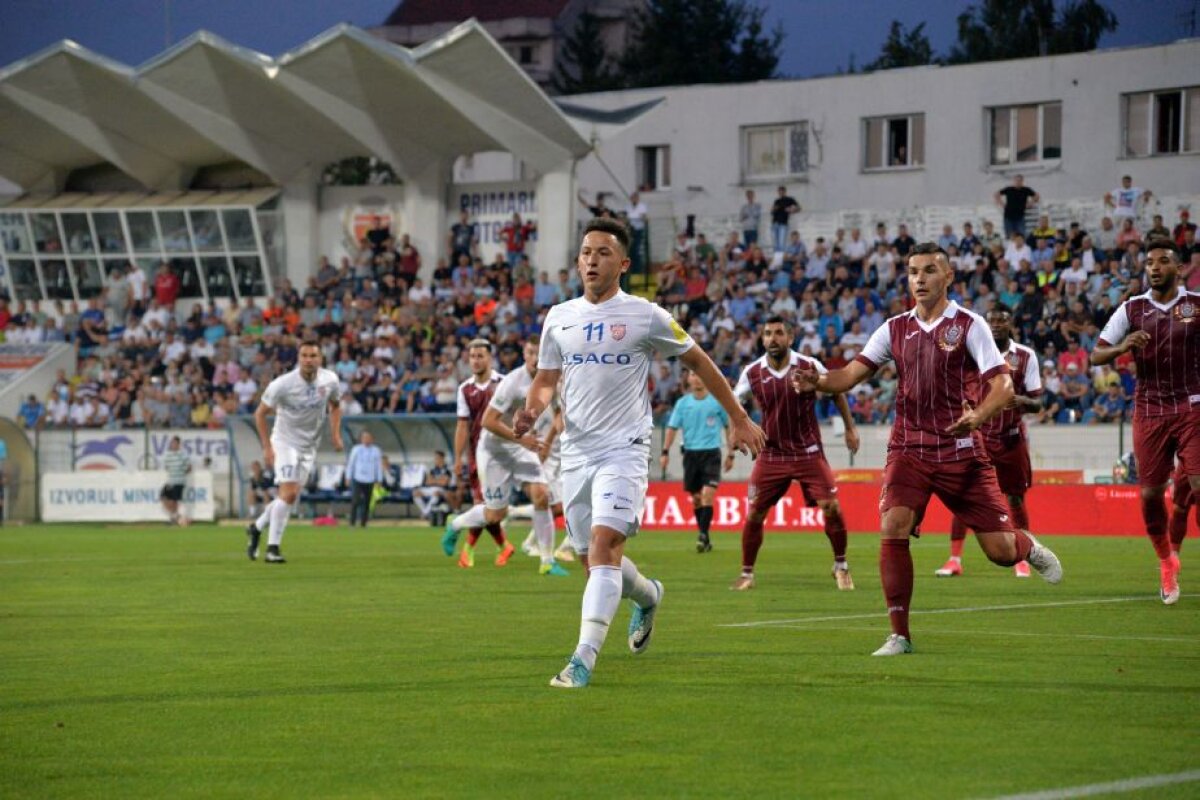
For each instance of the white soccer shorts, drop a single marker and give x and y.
(609, 492)
(500, 473)
(292, 464)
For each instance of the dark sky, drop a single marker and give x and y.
(820, 35)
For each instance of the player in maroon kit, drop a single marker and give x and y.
(474, 394)
(1005, 438)
(943, 354)
(793, 451)
(1162, 328)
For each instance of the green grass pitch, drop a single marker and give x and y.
(149, 662)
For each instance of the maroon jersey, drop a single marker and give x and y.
(473, 399)
(1006, 427)
(1168, 367)
(939, 366)
(789, 417)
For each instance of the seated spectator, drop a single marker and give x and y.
(1109, 406)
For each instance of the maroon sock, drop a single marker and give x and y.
(958, 534)
(1020, 515)
(752, 539)
(1154, 513)
(497, 533)
(1178, 525)
(896, 573)
(1024, 545)
(835, 531)
(473, 535)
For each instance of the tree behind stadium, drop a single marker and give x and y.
(678, 42)
(997, 30)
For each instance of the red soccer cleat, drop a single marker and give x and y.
(950, 569)
(1169, 572)
(505, 554)
(1021, 569)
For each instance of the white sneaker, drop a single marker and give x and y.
(530, 547)
(1042, 559)
(895, 645)
(564, 553)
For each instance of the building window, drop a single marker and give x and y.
(1025, 134)
(894, 142)
(654, 167)
(771, 152)
(525, 54)
(1161, 122)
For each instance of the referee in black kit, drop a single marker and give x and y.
(702, 419)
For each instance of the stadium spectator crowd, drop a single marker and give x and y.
(398, 344)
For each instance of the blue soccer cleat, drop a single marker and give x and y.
(554, 569)
(575, 675)
(641, 624)
(450, 537)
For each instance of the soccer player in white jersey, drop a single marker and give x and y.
(548, 430)
(300, 401)
(596, 350)
(507, 460)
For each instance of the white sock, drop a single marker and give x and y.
(601, 598)
(543, 527)
(264, 519)
(529, 540)
(279, 511)
(636, 586)
(471, 518)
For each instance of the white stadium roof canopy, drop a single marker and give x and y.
(207, 102)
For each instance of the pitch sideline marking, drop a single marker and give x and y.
(1112, 787)
(1169, 639)
(967, 610)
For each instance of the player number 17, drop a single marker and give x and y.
(597, 328)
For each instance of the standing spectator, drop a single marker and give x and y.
(379, 236)
(598, 211)
(781, 212)
(1124, 199)
(1016, 199)
(636, 213)
(750, 217)
(462, 239)
(364, 469)
(166, 286)
(515, 234)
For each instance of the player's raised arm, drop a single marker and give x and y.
(999, 393)
(836, 381)
(744, 435)
(1116, 340)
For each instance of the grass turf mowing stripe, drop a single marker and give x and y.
(1113, 787)
(967, 610)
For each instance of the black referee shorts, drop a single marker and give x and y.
(701, 468)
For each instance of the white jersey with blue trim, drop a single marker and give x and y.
(604, 351)
(301, 407)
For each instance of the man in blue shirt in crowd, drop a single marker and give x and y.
(31, 412)
(701, 418)
(364, 469)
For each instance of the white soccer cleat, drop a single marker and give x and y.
(895, 645)
(1042, 559)
(641, 624)
(564, 553)
(841, 574)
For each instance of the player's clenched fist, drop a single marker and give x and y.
(523, 421)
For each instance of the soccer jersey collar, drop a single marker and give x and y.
(618, 296)
(1180, 293)
(949, 312)
(793, 359)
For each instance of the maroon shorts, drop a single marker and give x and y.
(1014, 473)
(968, 488)
(473, 482)
(1158, 440)
(769, 481)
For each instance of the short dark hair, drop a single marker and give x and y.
(776, 319)
(534, 339)
(615, 227)
(1001, 308)
(309, 343)
(928, 249)
(1163, 244)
